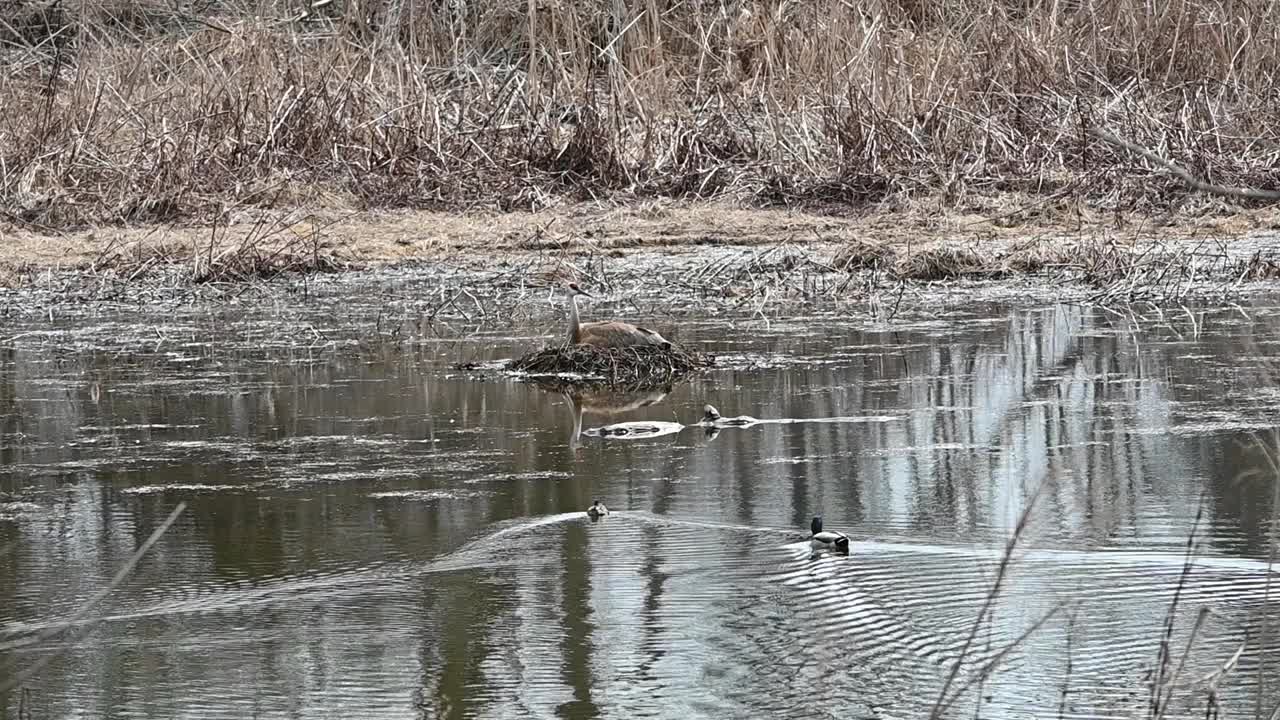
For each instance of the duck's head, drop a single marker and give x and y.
(816, 526)
(842, 545)
(709, 413)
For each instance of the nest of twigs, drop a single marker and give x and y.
(633, 367)
(861, 255)
(942, 263)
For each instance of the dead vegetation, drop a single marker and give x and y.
(632, 368)
(862, 255)
(1117, 269)
(942, 263)
(141, 112)
(268, 250)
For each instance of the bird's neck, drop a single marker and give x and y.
(574, 328)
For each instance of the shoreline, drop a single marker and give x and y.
(709, 249)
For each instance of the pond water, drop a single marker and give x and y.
(372, 533)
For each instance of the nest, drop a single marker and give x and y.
(943, 263)
(635, 367)
(859, 255)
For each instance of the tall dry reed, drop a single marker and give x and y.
(147, 111)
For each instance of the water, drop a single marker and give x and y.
(371, 533)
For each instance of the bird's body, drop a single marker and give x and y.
(711, 416)
(597, 510)
(607, 333)
(820, 540)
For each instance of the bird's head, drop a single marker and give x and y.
(816, 525)
(575, 291)
(709, 413)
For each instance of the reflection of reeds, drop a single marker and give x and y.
(1172, 662)
(77, 620)
(1272, 455)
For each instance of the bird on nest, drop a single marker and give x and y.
(606, 333)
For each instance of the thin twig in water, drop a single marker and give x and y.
(1066, 677)
(19, 678)
(993, 663)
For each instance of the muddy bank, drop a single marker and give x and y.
(481, 265)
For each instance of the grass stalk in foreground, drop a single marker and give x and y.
(21, 676)
(945, 697)
(1268, 452)
(1170, 666)
(1164, 681)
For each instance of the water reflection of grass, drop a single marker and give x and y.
(924, 375)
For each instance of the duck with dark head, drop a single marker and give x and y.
(831, 540)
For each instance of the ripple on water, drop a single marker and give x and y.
(812, 630)
(427, 495)
(426, 606)
(181, 488)
(18, 509)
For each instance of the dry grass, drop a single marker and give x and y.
(137, 111)
(943, 263)
(862, 255)
(643, 366)
(265, 251)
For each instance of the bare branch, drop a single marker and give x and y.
(1186, 177)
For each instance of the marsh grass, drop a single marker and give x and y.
(267, 250)
(138, 111)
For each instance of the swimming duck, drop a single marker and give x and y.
(711, 416)
(597, 510)
(836, 542)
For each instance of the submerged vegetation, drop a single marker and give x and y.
(142, 111)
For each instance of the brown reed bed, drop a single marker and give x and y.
(141, 111)
(268, 250)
